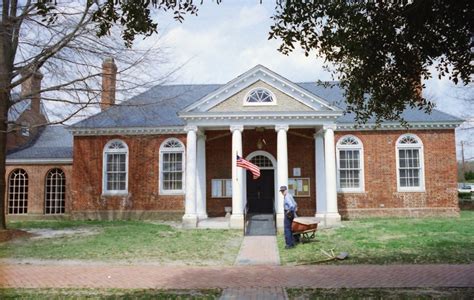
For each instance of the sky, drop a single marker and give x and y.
(226, 40)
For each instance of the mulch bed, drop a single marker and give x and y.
(10, 234)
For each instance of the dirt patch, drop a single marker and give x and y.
(45, 233)
(10, 234)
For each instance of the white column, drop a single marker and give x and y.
(201, 177)
(332, 216)
(190, 218)
(282, 168)
(320, 175)
(237, 217)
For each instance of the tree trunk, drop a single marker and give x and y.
(4, 99)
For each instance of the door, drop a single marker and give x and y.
(261, 192)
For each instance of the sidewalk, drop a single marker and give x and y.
(181, 277)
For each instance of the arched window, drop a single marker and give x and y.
(259, 96)
(18, 192)
(410, 165)
(262, 161)
(350, 164)
(172, 167)
(115, 168)
(55, 192)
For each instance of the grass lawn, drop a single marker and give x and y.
(389, 241)
(48, 294)
(126, 241)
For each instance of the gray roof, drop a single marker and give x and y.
(54, 142)
(159, 107)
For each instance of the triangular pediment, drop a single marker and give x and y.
(287, 95)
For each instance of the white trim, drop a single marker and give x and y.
(398, 126)
(128, 130)
(181, 150)
(105, 151)
(360, 147)
(260, 73)
(273, 103)
(420, 148)
(39, 161)
(275, 176)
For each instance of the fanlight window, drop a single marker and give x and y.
(115, 169)
(260, 96)
(410, 173)
(262, 161)
(350, 164)
(172, 166)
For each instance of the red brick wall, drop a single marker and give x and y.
(379, 163)
(143, 176)
(381, 196)
(36, 183)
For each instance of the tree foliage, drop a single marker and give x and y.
(381, 48)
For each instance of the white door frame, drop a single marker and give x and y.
(275, 172)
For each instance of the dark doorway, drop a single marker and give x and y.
(261, 192)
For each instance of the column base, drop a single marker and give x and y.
(237, 221)
(202, 216)
(190, 221)
(280, 219)
(328, 220)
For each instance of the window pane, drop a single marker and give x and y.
(216, 188)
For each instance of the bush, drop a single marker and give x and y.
(464, 196)
(469, 175)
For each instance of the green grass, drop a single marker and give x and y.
(129, 241)
(391, 240)
(382, 293)
(48, 294)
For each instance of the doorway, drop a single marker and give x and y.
(261, 192)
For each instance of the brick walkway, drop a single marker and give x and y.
(179, 277)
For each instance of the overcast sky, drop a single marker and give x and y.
(226, 40)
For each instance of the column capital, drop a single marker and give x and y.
(319, 132)
(281, 127)
(236, 127)
(190, 128)
(201, 134)
(329, 127)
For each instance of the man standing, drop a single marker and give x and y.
(290, 208)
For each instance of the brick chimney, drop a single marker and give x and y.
(31, 87)
(109, 74)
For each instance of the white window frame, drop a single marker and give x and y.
(58, 198)
(182, 150)
(20, 196)
(360, 147)
(273, 103)
(418, 146)
(106, 151)
(223, 183)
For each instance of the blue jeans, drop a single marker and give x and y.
(288, 233)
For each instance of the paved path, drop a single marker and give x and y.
(180, 277)
(258, 250)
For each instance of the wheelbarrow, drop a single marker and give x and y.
(304, 228)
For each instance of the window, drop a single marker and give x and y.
(55, 192)
(262, 161)
(172, 167)
(350, 163)
(115, 168)
(221, 188)
(299, 187)
(410, 173)
(259, 96)
(18, 192)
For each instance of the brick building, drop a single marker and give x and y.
(172, 151)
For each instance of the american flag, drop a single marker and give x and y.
(243, 163)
